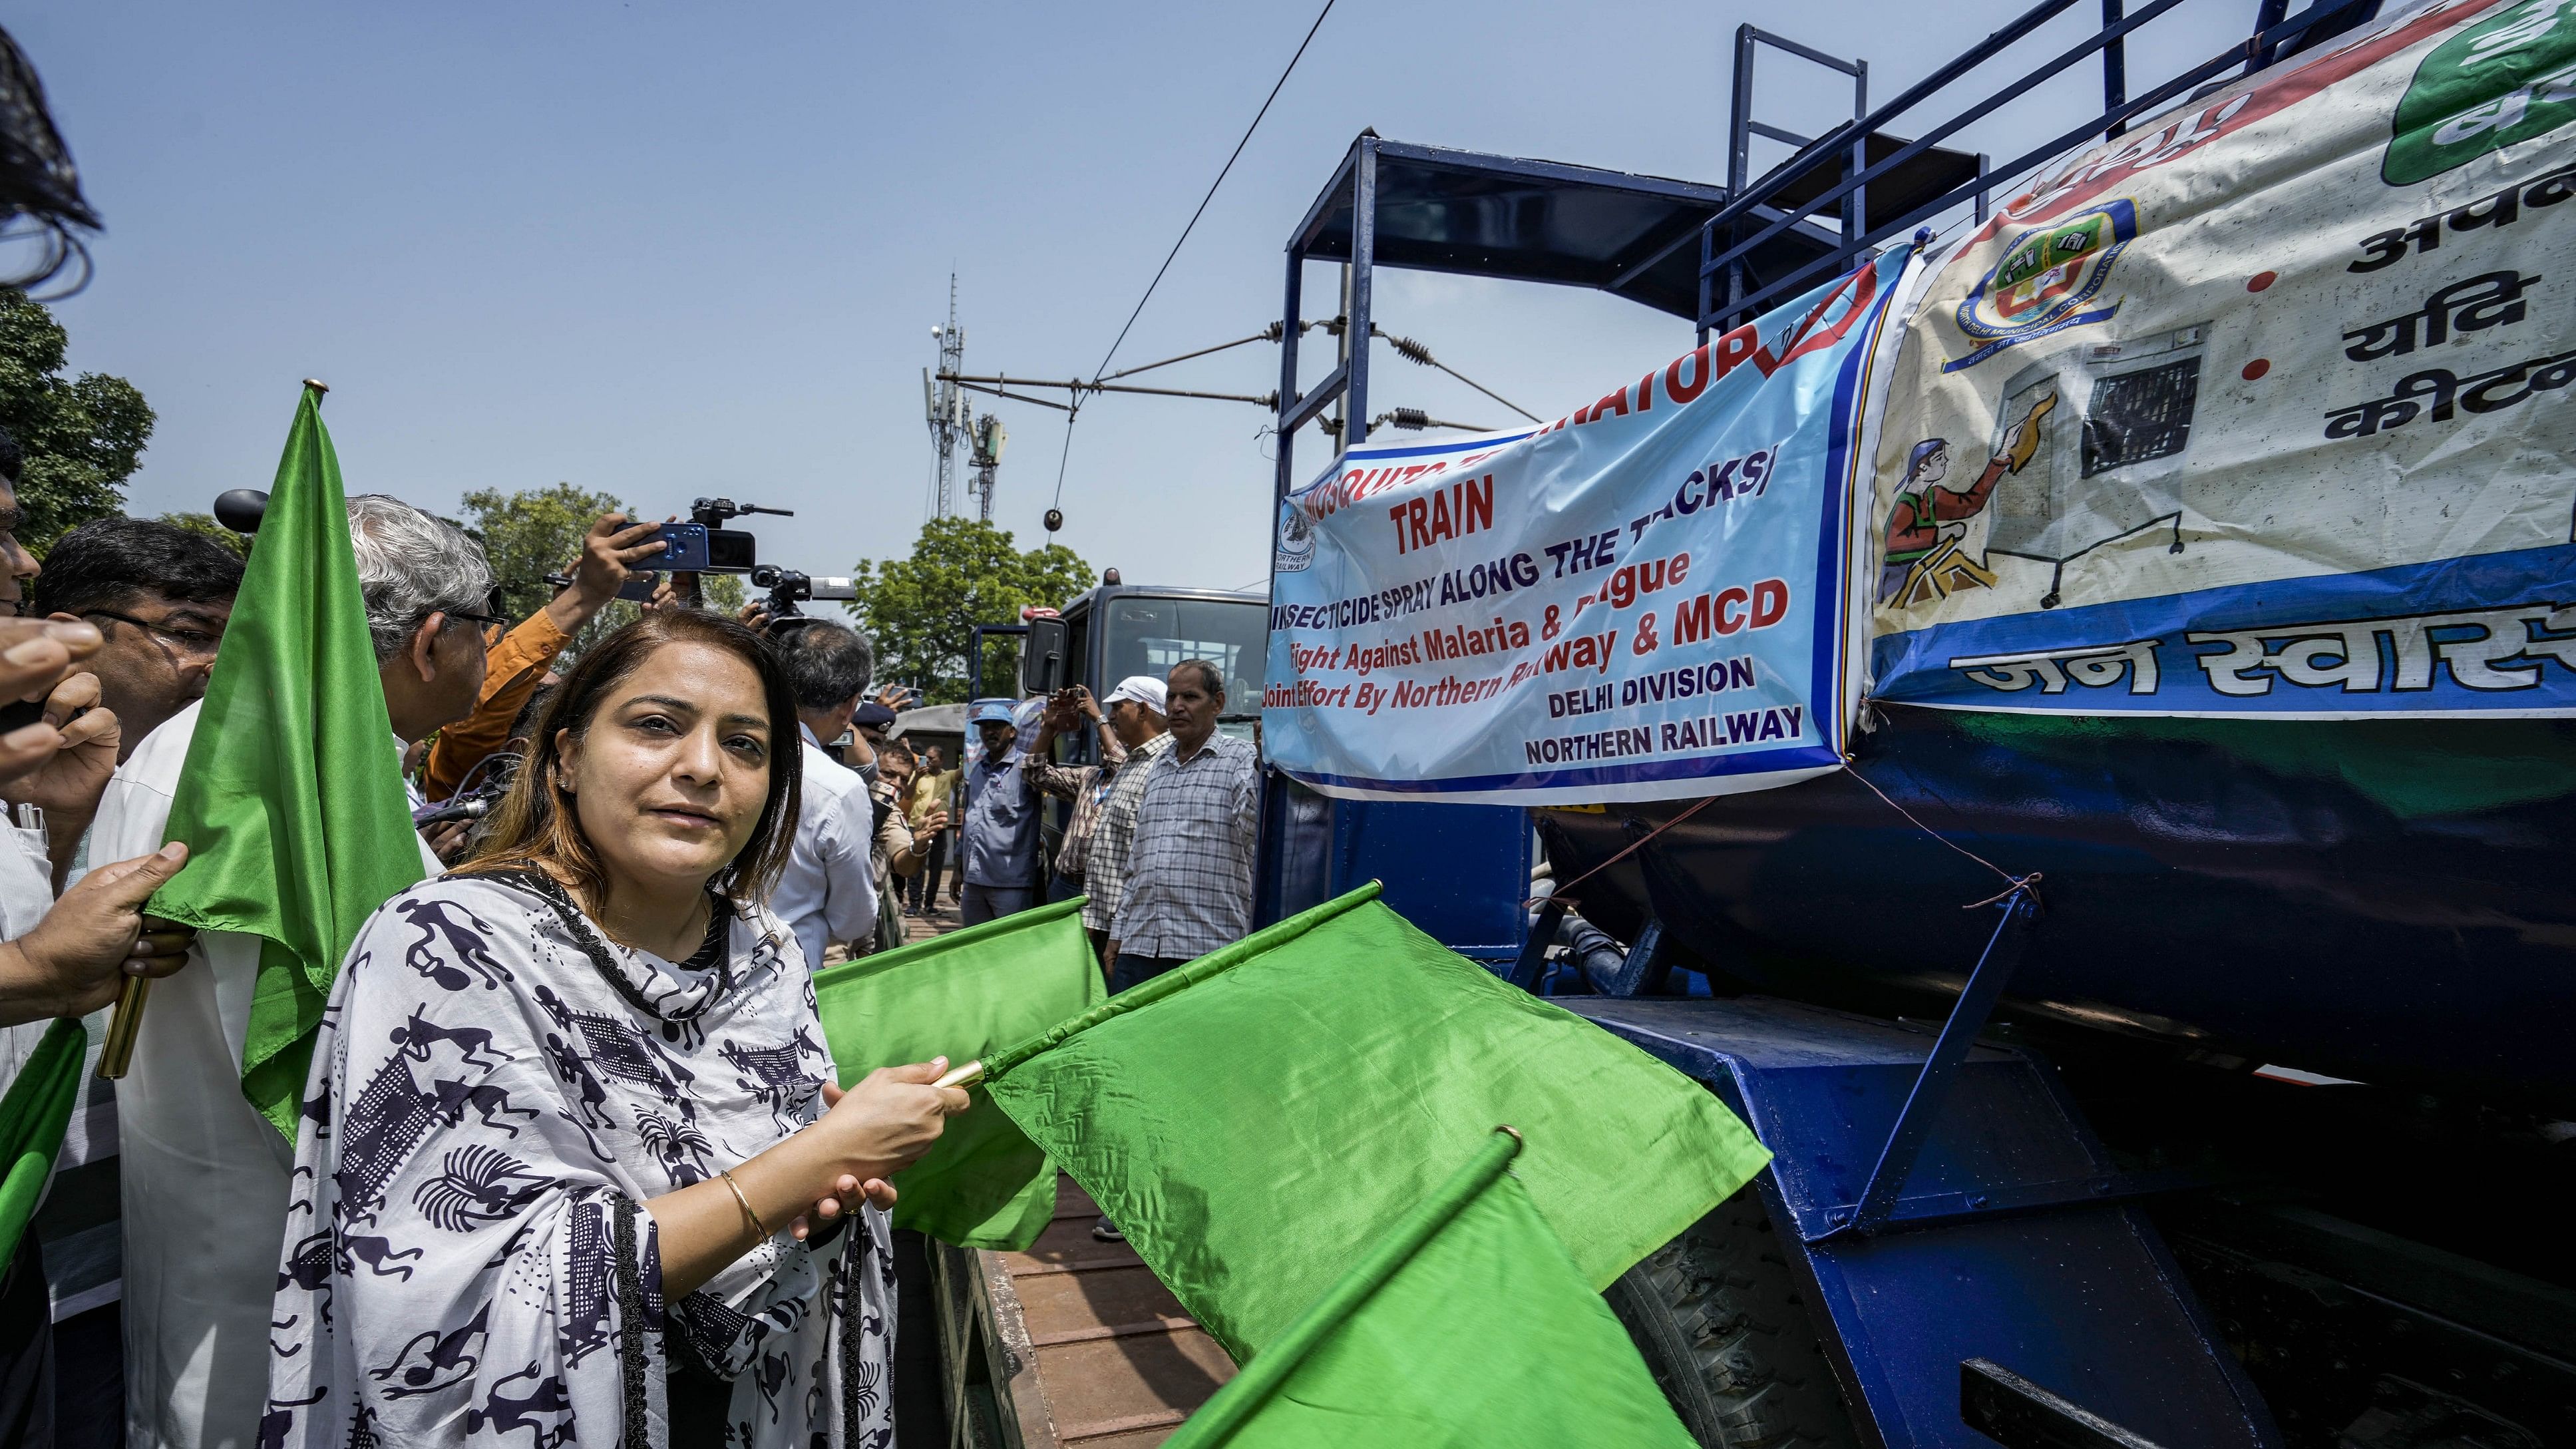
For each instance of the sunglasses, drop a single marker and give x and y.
(487, 621)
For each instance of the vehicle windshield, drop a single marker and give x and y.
(1146, 635)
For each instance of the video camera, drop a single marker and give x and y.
(704, 546)
(788, 588)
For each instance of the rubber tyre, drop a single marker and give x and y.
(1720, 1319)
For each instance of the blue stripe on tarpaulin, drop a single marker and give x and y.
(1800, 757)
(2427, 653)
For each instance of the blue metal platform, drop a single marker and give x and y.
(2016, 1238)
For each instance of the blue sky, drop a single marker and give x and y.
(676, 249)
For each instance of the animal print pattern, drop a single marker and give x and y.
(483, 1095)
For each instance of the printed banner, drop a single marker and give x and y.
(2260, 409)
(1647, 598)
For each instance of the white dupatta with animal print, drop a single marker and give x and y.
(495, 1093)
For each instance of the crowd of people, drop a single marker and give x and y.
(590, 1029)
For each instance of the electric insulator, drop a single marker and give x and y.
(1054, 519)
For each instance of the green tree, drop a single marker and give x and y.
(538, 531)
(83, 436)
(962, 572)
(532, 533)
(204, 523)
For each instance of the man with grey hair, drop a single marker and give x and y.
(426, 585)
(204, 1177)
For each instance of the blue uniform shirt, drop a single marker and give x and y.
(1001, 829)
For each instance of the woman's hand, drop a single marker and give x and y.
(865, 1136)
(845, 1192)
(884, 1124)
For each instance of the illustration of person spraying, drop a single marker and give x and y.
(1926, 523)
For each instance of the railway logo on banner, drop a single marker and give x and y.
(2047, 281)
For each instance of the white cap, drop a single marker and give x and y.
(1145, 689)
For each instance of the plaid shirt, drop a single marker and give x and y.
(1189, 876)
(1087, 786)
(1105, 864)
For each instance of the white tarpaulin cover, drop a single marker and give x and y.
(2260, 409)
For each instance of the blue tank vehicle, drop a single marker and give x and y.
(2245, 1120)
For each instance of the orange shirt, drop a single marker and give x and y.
(511, 670)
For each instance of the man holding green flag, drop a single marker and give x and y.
(355, 632)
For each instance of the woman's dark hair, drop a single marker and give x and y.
(537, 824)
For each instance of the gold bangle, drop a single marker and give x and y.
(760, 1230)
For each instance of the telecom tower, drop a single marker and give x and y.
(990, 435)
(944, 403)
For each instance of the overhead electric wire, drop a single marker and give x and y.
(1213, 185)
(1071, 413)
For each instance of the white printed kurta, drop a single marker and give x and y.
(495, 1094)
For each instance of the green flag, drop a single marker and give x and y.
(32, 1118)
(1466, 1326)
(962, 995)
(1249, 1115)
(294, 702)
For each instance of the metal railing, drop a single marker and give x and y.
(1725, 245)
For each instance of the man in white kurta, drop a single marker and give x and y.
(204, 1175)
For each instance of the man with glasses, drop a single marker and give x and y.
(159, 596)
(204, 1177)
(612, 551)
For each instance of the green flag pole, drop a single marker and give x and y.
(1269, 1369)
(116, 1050)
(291, 800)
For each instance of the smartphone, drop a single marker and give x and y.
(684, 547)
(639, 587)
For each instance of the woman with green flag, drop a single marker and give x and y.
(575, 1163)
